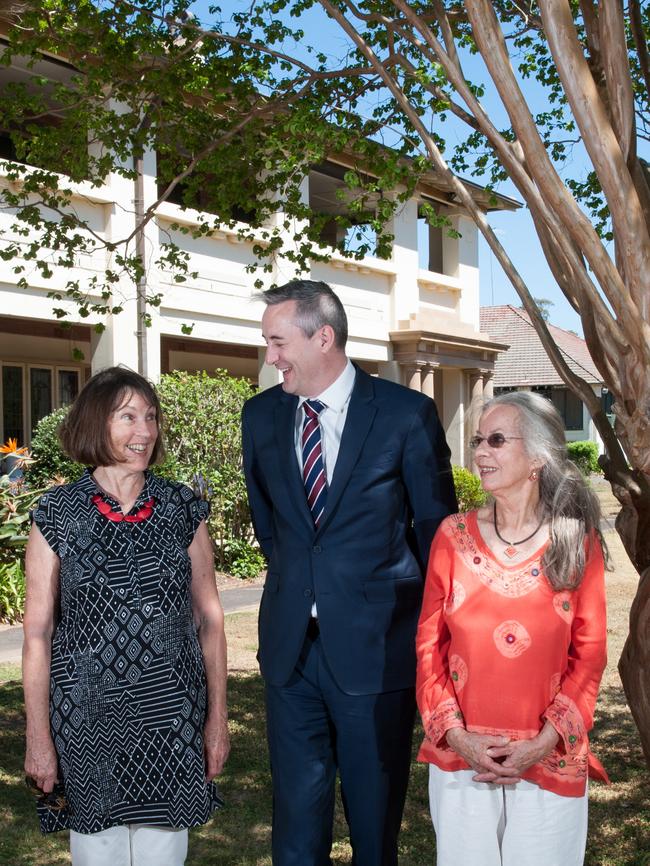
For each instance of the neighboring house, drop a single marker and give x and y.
(525, 366)
(413, 318)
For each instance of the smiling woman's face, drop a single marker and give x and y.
(506, 468)
(133, 431)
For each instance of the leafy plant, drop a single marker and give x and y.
(16, 501)
(201, 423)
(49, 460)
(12, 591)
(585, 456)
(244, 559)
(469, 492)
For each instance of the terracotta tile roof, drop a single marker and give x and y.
(526, 362)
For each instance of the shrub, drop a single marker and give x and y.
(50, 462)
(16, 501)
(585, 456)
(469, 492)
(203, 440)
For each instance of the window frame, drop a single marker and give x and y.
(26, 368)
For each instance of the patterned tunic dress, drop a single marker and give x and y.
(127, 688)
(500, 652)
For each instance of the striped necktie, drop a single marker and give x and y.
(313, 468)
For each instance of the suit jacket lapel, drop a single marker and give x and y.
(361, 414)
(285, 420)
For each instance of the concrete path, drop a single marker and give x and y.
(234, 599)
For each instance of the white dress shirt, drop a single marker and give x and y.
(336, 400)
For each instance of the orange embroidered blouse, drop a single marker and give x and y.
(500, 652)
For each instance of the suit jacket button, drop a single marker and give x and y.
(316, 548)
(307, 593)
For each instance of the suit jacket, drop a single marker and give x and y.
(364, 565)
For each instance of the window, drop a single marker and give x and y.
(68, 386)
(13, 420)
(30, 392)
(230, 197)
(567, 404)
(39, 143)
(337, 223)
(430, 257)
(40, 390)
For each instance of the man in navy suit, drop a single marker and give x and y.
(347, 545)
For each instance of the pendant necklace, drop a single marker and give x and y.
(511, 548)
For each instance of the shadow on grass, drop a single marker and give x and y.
(619, 814)
(21, 843)
(240, 834)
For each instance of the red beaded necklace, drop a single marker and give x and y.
(105, 508)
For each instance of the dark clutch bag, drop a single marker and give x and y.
(52, 808)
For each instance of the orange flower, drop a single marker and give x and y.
(11, 447)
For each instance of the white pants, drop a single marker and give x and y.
(478, 824)
(129, 845)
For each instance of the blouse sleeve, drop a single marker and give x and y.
(572, 710)
(44, 516)
(196, 510)
(434, 687)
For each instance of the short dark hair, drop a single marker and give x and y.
(84, 431)
(316, 305)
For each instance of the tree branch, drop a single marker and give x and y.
(633, 244)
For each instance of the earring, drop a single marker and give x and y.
(533, 475)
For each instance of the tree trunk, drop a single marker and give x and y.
(632, 489)
(634, 664)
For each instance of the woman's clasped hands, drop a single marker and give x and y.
(499, 760)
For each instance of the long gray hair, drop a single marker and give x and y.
(567, 502)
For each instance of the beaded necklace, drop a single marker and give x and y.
(106, 509)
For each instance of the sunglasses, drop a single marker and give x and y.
(494, 440)
(53, 800)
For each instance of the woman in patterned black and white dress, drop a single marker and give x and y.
(124, 657)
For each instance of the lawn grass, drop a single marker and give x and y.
(240, 835)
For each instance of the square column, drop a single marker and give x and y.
(406, 297)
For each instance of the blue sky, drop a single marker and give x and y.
(515, 230)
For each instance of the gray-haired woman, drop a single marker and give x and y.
(511, 647)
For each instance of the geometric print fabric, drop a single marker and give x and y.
(127, 689)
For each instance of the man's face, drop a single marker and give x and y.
(299, 358)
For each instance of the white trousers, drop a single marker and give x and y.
(129, 845)
(478, 824)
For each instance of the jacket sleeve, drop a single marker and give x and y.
(426, 468)
(572, 710)
(258, 496)
(434, 686)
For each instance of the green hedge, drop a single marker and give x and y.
(585, 456)
(469, 492)
(203, 439)
(51, 466)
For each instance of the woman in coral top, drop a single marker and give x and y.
(511, 647)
